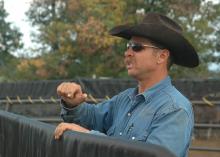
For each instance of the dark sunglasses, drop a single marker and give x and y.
(136, 47)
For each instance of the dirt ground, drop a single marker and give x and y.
(212, 143)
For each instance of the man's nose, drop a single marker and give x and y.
(129, 53)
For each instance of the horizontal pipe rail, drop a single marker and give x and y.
(25, 101)
(91, 99)
(209, 149)
(206, 125)
(201, 102)
(40, 100)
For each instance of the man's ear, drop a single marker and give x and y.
(163, 56)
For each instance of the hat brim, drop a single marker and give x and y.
(182, 51)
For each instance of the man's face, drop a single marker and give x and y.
(141, 62)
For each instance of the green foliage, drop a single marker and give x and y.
(10, 41)
(75, 41)
(9, 38)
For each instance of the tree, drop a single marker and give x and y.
(10, 41)
(10, 38)
(80, 38)
(73, 33)
(198, 21)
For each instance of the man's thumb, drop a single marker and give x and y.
(84, 95)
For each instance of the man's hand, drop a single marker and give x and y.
(62, 127)
(71, 93)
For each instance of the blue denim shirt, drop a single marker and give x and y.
(161, 115)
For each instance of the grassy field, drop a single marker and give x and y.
(212, 143)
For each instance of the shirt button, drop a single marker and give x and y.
(133, 138)
(120, 133)
(129, 114)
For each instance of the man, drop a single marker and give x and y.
(154, 112)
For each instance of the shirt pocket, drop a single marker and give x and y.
(142, 127)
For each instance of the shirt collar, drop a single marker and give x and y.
(149, 92)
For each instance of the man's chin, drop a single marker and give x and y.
(131, 74)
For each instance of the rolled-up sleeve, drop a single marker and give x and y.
(94, 117)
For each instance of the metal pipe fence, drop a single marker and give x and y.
(55, 120)
(207, 149)
(90, 98)
(192, 148)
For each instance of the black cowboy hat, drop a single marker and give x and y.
(164, 31)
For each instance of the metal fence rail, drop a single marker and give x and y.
(207, 149)
(90, 98)
(206, 125)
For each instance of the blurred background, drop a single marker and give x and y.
(43, 42)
